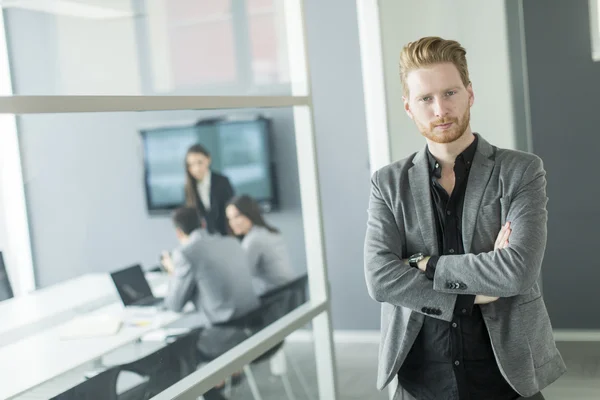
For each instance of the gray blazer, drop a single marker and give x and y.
(503, 185)
(212, 272)
(270, 264)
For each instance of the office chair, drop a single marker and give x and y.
(101, 386)
(164, 367)
(275, 304)
(6, 291)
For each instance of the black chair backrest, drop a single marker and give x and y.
(278, 302)
(168, 365)
(274, 304)
(101, 386)
(6, 291)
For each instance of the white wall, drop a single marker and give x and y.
(480, 26)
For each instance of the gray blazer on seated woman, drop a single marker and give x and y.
(270, 264)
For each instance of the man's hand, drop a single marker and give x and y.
(167, 262)
(481, 299)
(502, 239)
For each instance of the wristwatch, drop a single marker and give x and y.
(413, 260)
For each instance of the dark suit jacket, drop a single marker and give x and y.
(221, 192)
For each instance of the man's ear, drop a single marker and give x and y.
(471, 94)
(407, 107)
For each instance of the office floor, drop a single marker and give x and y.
(357, 365)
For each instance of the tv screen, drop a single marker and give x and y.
(239, 149)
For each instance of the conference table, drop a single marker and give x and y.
(35, 311)
(45, 351)
(47, 307)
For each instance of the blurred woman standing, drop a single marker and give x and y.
(206, 190)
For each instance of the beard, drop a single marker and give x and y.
(450, 135)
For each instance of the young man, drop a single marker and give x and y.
(210, 270)
(455, 240)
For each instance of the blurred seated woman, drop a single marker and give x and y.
(268, 257)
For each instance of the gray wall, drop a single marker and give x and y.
(564, 84)
(343, 157)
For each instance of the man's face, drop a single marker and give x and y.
(439, 102)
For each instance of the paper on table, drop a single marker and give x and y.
(91, 326)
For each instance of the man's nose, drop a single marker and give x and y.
(440, 108)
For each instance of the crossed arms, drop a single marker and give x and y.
(508, 270)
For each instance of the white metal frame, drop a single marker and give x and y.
(17, 254)
(378, 136)
(318, 308)
(594, 6)
(369, 30)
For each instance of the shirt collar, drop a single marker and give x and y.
(206, 180)
(198, 233)
(466, 156)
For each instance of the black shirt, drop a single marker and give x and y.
(453, 360)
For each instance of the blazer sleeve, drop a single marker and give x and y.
(254, 247)
(182, 284)
(515, 269)
(388, 278)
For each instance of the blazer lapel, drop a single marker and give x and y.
(481, 171)
(420, 187)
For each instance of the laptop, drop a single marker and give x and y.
(133, 287)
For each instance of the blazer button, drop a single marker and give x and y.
(424, 309)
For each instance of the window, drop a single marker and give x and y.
(235, 44)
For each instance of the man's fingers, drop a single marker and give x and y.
(500, 236)
(503, 236)
(507, 235)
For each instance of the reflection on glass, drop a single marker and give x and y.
(217, 47)
(267, 40)
(200, 41)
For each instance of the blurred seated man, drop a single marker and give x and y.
(209, 270)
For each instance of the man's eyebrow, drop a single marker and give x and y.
(456, 88)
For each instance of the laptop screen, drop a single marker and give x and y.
(131, 284)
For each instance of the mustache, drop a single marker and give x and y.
(444, 121)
